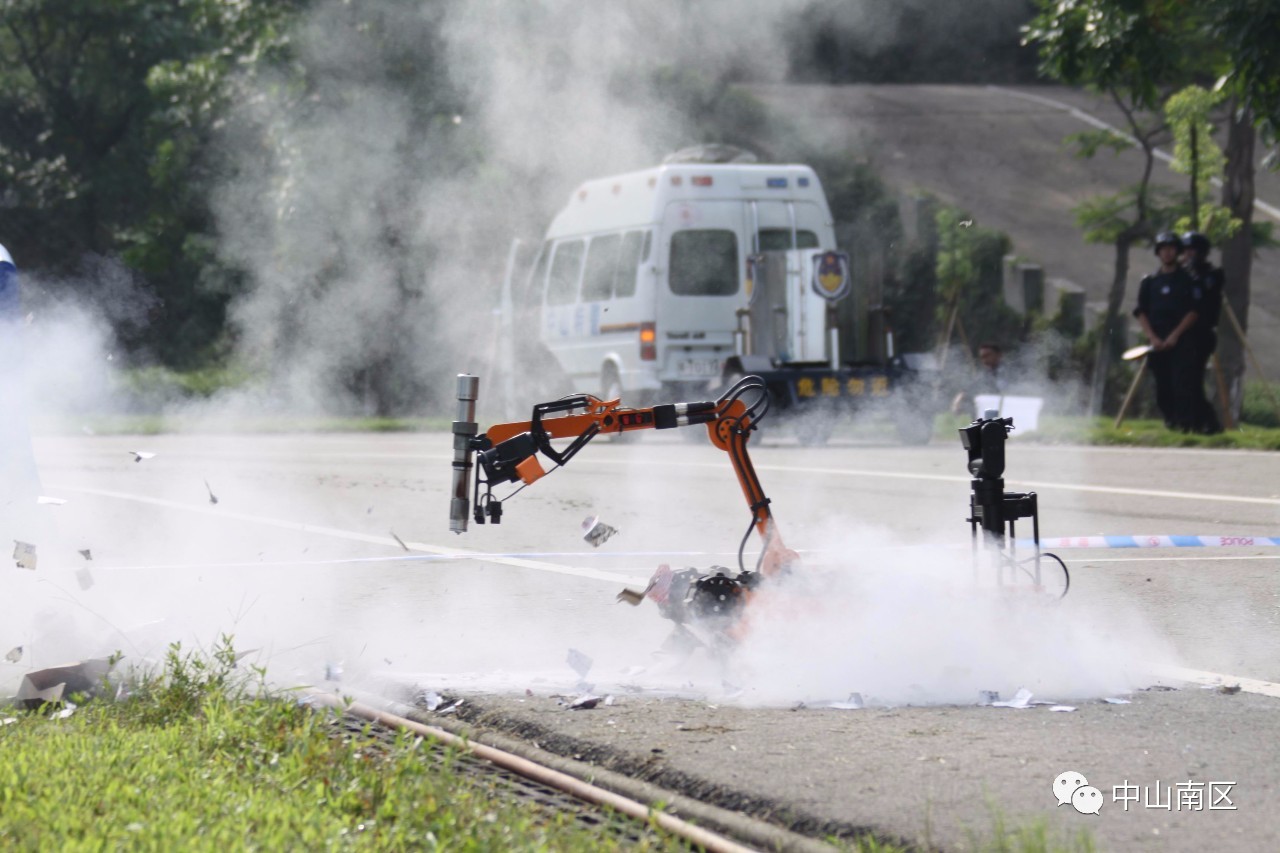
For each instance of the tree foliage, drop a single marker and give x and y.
(107, 109)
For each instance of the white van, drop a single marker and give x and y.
(640, 281)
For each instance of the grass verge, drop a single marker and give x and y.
(201, 757)
(195, 759)
(1147, 433)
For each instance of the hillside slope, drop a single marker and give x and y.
(1000, 154)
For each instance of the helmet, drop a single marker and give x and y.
(1168, 238)
(1196, 240)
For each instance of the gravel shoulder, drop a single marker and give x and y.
(936, 775)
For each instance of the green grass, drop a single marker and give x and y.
(200, 757)
(1148, 433)
(196, 760)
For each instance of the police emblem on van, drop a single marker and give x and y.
(831, 275)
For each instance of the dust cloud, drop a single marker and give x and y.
(900, 625)
(373, 233)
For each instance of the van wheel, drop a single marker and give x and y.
(611, 387)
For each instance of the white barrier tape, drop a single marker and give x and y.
(1156, 542)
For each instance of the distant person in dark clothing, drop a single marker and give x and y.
(1195, 257)
(992, 377)
(1169, 301)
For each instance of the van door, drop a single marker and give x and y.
(788, 320)
(702, 258)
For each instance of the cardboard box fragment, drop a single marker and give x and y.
(51, 685)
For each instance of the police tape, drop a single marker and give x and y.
(1157, 542)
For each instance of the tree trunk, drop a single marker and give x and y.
(1237, 252)
(1112, 334)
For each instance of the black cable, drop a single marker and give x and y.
(742, 546)
(1065, 573)
(522, 485)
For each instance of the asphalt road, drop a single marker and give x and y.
(301, 559)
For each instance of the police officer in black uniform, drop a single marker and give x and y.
(1169, 301)
(1195, 257)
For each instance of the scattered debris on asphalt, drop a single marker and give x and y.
(1062, 708)
(1111, 700)
(584, 702)
(431, 699)
(988, 697)
(24, 555)
(1021, 699)
(597, 532)
(1229, 689)
(853, 703)
(449, 709)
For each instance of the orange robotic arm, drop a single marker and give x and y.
(511, 452)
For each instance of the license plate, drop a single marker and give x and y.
(698, 368)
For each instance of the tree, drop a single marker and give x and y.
(1130, 50)
(107, 111)
(1248, 65)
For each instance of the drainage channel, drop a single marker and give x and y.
(547, 787)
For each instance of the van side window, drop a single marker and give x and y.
(633, 245)
(778, 239)
(565, 269)
(704, 262)
(602, 261)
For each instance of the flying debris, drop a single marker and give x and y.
(15, 654)
(597, 532)
(400, 541)
(84, 577)
(45, 500)
(139, 455)
(213, 499)
(24, 555)
(86, 553)
(579, 662)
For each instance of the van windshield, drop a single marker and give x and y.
(704, 263)
(779, 239)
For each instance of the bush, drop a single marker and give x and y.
(1258, 408)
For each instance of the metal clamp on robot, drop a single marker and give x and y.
(995, 511)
